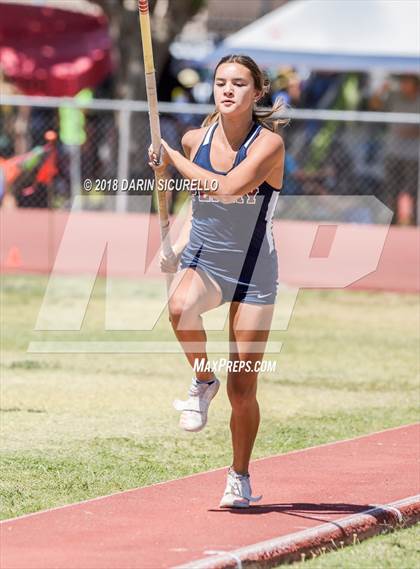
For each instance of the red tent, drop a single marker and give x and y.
(53, 51)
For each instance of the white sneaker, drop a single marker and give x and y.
(195, 408)
(238, 493)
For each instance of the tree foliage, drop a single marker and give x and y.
(125, 33)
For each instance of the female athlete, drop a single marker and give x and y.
(226, 252)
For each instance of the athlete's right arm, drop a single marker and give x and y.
(187, 141)
(184, 235)
(171, 265)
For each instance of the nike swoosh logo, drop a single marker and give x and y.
(263, 295)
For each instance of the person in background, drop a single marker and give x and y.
(401, 146)
(287, 84)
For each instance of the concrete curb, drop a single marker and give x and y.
(326, 537)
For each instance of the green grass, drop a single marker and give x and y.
(76, 426)
(398, 550)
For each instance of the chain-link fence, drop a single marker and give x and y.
(343, 153)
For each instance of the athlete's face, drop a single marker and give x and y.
(234, 89)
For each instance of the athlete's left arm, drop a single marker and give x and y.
(265, 154)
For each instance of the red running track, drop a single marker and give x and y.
(176, 522)
(311, 254)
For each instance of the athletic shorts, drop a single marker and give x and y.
(255, 283)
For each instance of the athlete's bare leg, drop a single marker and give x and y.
(248, 324)
(192, 293)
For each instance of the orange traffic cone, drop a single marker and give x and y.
(405, 208)
(14, 258)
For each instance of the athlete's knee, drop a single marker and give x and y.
(242, 397)
(180, 308)
(177, 307)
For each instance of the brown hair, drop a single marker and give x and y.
(262, 83)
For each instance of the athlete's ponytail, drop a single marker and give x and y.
(262, 83)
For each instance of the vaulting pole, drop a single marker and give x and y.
(152, 101)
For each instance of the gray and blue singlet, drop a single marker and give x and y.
(233, 243)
